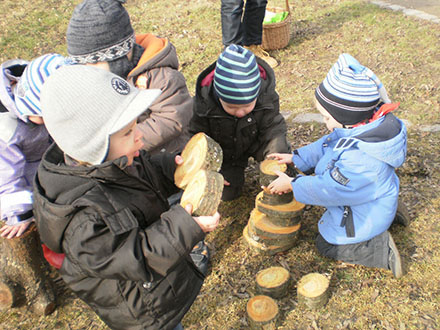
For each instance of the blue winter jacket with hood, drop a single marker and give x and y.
(354, 179)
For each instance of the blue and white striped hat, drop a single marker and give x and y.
(350, 92)
(237, 77)
(28, 91)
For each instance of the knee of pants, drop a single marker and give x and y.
(231, 6)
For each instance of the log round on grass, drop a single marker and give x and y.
(267, 171)
(262, 225)
(204, 193)
(7, 295)
(276, 199)
(290, 210)
(273, 282)
(200, 153)
(262, 312)
(313, 290)
(263, 248)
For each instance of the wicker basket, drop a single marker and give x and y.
(277, 35)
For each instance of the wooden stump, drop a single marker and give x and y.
(264, 248)
(273, 282)
(25, 273)
(267, 171)
(290, 210)
(262, 312)
(204, 192)
(313, 290)
(200, 153)
(276, 199)
(262, 226)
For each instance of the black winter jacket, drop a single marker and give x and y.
(127, 253)
(257, 134)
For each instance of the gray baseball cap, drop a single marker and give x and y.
(82, 106)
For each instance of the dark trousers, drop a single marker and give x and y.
(235, 176)
(371, 253)
(242, 28)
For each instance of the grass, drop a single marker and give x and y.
(402, 51)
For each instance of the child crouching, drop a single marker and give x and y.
(354, 168)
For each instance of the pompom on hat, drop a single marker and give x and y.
(350, 92)
(28, 91)
(237, 76)
(83, 106)
(98, 31)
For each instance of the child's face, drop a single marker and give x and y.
(126, 142)
(238, 110)
(329, 121)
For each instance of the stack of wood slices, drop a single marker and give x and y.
(274, 223)
(198, 175)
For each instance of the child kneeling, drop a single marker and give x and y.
(354, 168)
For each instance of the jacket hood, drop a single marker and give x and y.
(60, 191)
(159, 52)
(10, 73)
(383, 139)
(204, 87)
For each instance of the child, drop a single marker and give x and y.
(23, 137)
(236, 104)
(102, 201)
(100, 34)
(354, 168)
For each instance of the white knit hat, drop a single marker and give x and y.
(83, 106)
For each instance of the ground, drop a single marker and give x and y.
(403, 52)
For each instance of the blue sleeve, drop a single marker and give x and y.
(351, 181)
(307, 157)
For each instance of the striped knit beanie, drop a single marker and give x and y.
(237, 77)
(28, 91)
(99, 31)
(350, 92)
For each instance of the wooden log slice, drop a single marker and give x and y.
(313, 290)
(273, 282)
(262, 226)
(267, 171)
(204, 192)
(7, 295)
(264, 248)
(262, 312)
(276, 199)
(268, 241)
(200, 153)
(291, 210)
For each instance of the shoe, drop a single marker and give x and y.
(402, 216)
(394, 260)
(261, 53)
(200, 257)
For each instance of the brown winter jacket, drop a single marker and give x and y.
(165, 124)
(127, 253)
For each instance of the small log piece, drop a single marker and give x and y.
(262, 226)
(291, 210)
(264, 248)
(262, 312)
(267, 171)
(273, 282)
(25, 273)
(200, 153)
(276, 199)
(204, 192)
(313, 290)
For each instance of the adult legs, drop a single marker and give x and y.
(232, 29)
(253, 22)
(235, 176)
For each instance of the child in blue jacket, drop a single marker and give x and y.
(354, 168)
(23, 137)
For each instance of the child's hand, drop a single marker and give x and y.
(9, 231)
(282, 158)
(208, 223)
(226, 183)
(178, 160)
(280, 185)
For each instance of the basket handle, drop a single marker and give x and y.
(287, 6)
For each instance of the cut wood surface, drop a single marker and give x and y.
(262, 312)
(262, 225)
(204, 192)
(200, 153)
(273, 282)
(313, 290)
(24, 274)
(267, 171)
(262, 247)
(276, 199)
(290, 210)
